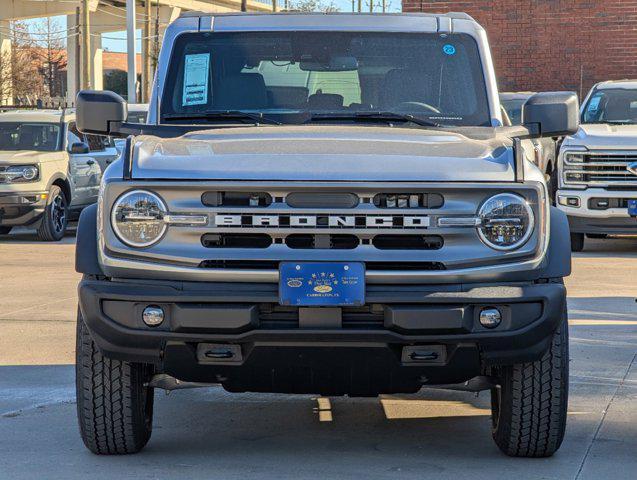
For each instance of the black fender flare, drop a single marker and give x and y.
(86, 243)
(558, 256)
(59, 176)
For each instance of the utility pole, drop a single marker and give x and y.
(384, 6)
(274, 5)
(244, 5)
(86, 47)
(360, 6)
(146, 73)
(78, 52)
(131, 51)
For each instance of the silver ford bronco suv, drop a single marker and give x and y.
(324, 204)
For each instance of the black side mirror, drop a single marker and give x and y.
(79, 148)
(100, 112)
(551, 114)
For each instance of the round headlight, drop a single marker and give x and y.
(30, 172)
(138, 218)
(506, 221)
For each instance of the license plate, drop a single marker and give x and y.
(322, 284)
(632, 208)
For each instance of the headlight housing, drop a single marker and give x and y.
(20, 174)
(137, 218)
(506, 221)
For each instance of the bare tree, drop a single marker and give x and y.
(312, 6)
(50, 54)
(19, 78)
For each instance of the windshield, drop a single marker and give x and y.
(616, 105)
(43, 137)
(513, 108)
(433, 77)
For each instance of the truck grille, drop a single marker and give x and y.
(402, 232)
(602, 169)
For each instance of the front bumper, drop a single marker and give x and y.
(22, 208)
(591, 217)
(366, 352)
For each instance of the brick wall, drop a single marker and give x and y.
(552, 44)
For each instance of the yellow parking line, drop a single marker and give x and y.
(606, 323)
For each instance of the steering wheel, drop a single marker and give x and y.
(418, 105)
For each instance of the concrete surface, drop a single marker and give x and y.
(212, 434)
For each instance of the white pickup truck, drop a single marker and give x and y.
(598, 165)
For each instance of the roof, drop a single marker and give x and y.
(627, 84)
(299, 21)
(516, 95)
(37, 115)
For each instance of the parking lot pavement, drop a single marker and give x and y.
(209, 433)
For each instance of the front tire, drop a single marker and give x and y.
(114, 405)
(55, 218)
(577, 242)
(529, 407)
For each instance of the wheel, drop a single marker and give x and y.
(114, 407)
(5, 230)
(596, 235)
(529, 407)
(55, 218)
(577, 242)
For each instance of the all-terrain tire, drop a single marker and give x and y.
(577, 242)
(55, 217)
(529, 407)
(114, 407)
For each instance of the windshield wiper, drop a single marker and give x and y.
(375, 116)
(223, 115)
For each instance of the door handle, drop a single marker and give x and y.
(90, 162)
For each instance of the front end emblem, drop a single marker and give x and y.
(632, 168)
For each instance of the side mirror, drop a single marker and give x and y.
(100, 112)
(551, 114)
(79, 148)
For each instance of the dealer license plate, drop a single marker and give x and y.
(322, 283)
(632, 208)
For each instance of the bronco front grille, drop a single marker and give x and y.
(397, 229)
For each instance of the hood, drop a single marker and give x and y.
(318, 153)
(22, 157)
(602, 135)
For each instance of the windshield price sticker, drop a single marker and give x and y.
(196, 74)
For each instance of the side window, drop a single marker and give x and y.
(96, 143)
(73, 135)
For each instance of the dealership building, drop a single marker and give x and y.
(552, 45)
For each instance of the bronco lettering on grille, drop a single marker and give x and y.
(321, 221)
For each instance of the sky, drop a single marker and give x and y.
(116, 41)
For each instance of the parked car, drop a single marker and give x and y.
(49, 171)
(545, 148)
(137, 113)
(598, 165)
(324, 204)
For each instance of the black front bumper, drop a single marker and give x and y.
(238, 335)
(21, 209)
(609, 226)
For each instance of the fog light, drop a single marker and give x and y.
(568, 201)
(490, 317)
(153, 315)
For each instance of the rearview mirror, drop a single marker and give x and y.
(100, 112)
(551, 114)
(79, 148)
